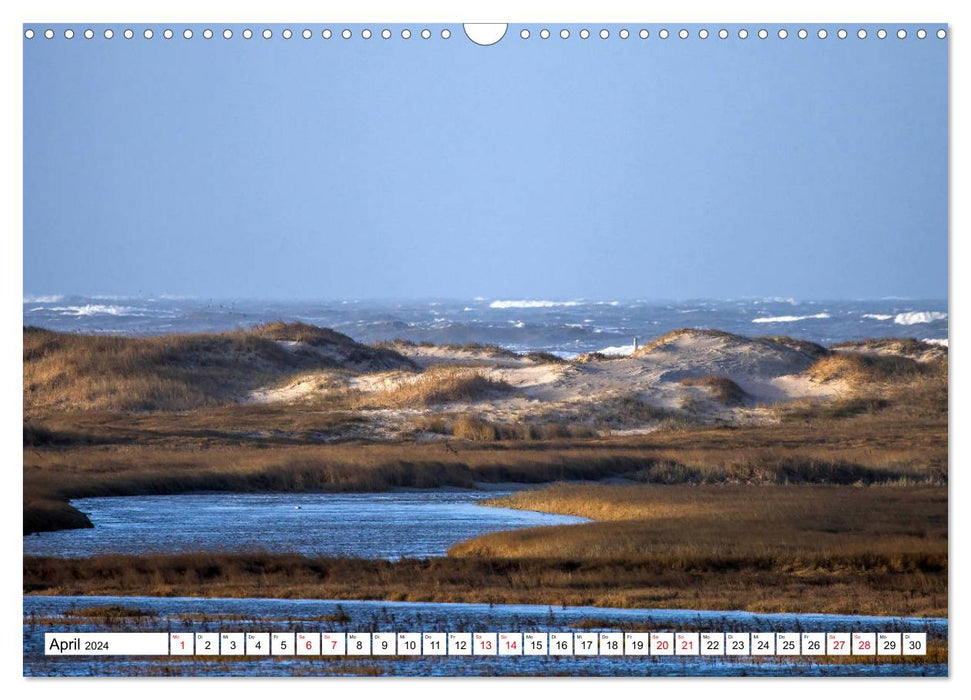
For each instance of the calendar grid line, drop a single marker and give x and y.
(508, 644)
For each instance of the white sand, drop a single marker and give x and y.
(769, 372)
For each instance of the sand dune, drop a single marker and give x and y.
(686, 376)
(659, 376)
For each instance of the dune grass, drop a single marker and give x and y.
(471, 426)
(722, 389)
(439, 384)
(482, 348)
(593, 357)
(304, 333)
(175, 372)
(671, 336)
(545, 358)
(906, 347)
(863, 369)
(806, 347)
(468, 427)
(616, 411)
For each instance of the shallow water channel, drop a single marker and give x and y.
(392, 525)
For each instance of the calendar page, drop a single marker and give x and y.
(422, 348)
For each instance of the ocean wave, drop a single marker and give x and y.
(776, 300)
(618, 350)
(788, 319)
(529, 304)
(878, 317)
(44, 299)
(936, 341)
(99, 309)
(910, 318)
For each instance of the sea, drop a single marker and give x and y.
(565, 327)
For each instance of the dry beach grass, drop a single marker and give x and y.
(179, 372)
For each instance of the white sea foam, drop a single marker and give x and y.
(618, 350)
(43, 299)
(777, 300)
(878, 317)
(910, 318)
(788, 319)
(96, 309)
(936, 341)
(529, 304)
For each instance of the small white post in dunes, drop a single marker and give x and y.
(635, 343)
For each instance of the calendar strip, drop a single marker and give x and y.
(532, 643)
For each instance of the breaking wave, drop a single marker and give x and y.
(910, 318)
(96, 309)
(529, 304)
(618, 350)
(787, 319)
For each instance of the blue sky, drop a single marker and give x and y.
(357, 168)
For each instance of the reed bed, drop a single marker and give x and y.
(726, 521)
(878, 585)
